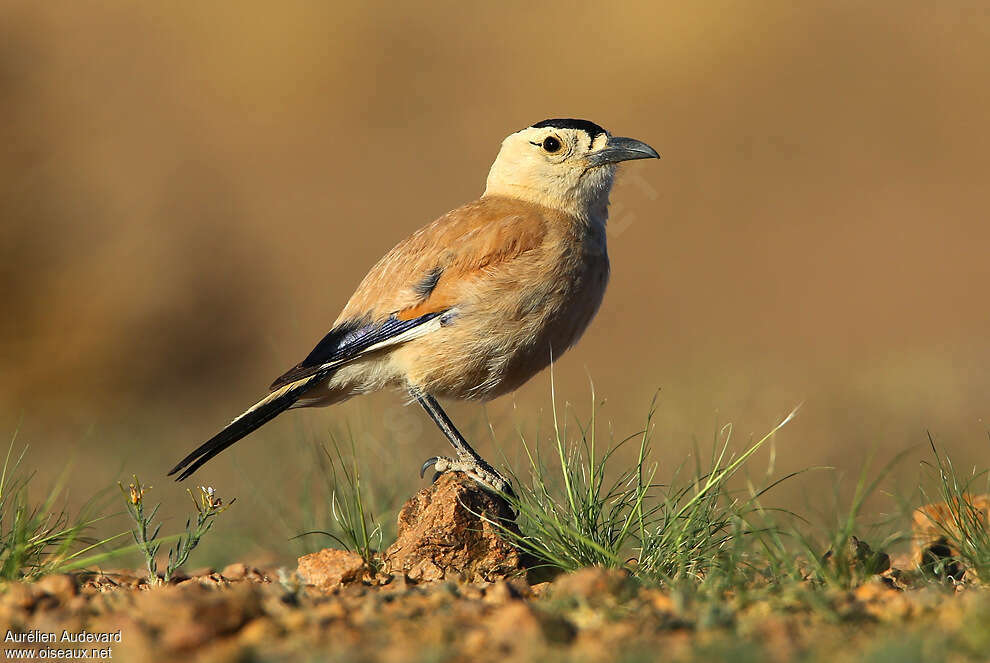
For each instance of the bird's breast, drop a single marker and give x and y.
(511, 323)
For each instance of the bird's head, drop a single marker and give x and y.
(563, 164)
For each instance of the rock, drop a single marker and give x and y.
(189, 616)
(186, 636)
(235, 571)
(21, 595)
(515, 626)
(62, 586)
(330, 568)
(446, 532)
(859, 557)
(503, 591)
(662, 602)
(540, 589)
(259, 631)
(241, 571)
(211, 580)
(100, 582)
(934, 527)
(518, 626)
(594, 585)
(882, 600)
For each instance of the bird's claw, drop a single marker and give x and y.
(479, 471)
(430, 462)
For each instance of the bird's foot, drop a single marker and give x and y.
(477, 469)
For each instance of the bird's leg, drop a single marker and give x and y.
(468, 460)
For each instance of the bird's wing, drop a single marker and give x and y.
(349, 341)
(407, 292)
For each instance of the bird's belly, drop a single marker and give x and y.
(505, 338)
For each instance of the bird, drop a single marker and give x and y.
(474, 304)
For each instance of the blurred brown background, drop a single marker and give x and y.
(189, 193)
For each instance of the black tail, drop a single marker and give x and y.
(257, 416)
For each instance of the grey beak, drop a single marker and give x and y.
(622, 149)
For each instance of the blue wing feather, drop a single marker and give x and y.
(347, 340)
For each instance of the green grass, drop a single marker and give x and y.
(582, 499)
(330, 501)
(714, 569)
(840, 550)
(349, 519)
(701, 525)
(576, 514)
(583, 507)
(966, 529)
(38, 538)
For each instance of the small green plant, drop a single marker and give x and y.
(700, 523)
(37, 539)
(354, 526)
(208, 507)
(584, 518)
(966, 525)
(840, 558)
(581, 516)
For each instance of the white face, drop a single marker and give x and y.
(568, 147)
(555, 167)
(564, 164)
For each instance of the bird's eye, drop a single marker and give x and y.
(551, 144)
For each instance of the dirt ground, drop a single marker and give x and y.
(450, 589)
(248, 614)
